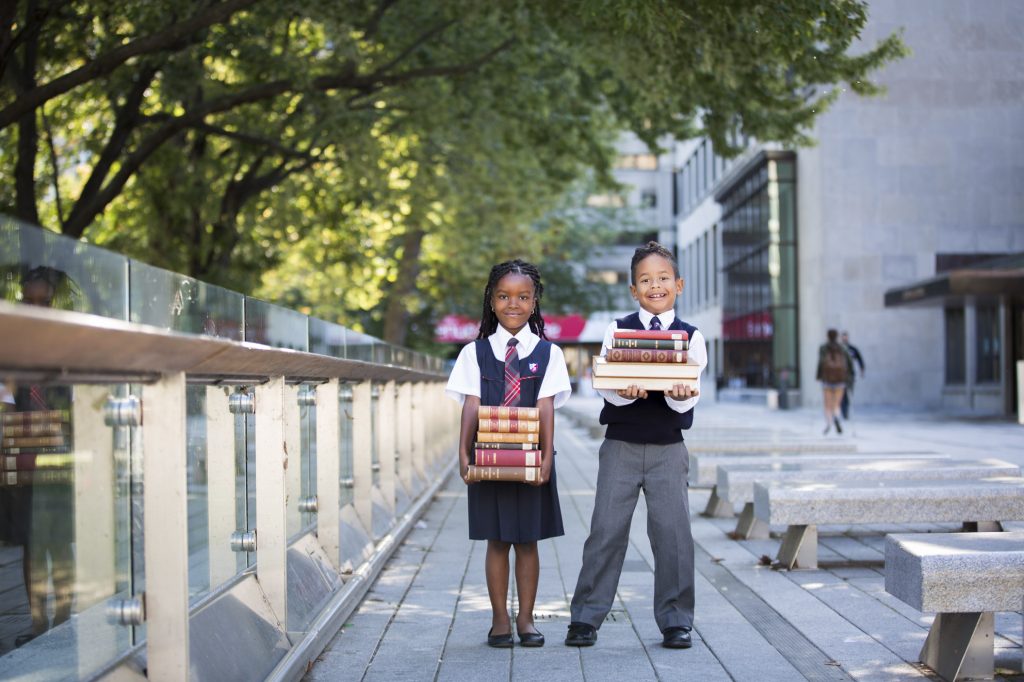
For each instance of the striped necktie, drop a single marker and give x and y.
(655, 323)
(511, 398)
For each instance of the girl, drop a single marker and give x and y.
(508, 514)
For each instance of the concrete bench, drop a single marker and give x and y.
(965, 578)
(704, 465)
(736, 481)
(725, 446)
(804, 506)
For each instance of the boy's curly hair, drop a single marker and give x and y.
(651, 249)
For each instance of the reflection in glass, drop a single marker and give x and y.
(275, 326)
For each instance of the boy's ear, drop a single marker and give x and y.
(680, 283)
(632, 290)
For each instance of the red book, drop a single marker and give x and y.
(645, 355)
(519, 474)
(667, 334)
(654, 344)
(507, 458)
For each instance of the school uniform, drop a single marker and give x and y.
(505, 510)
(643, 450)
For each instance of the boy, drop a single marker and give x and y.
(643, 449)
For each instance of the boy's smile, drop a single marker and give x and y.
(655, 284)
(513, 301)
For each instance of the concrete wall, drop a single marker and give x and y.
(934, 166)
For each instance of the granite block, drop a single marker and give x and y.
(956, 572)
(736, 481)
(704, 465)
(900, 501)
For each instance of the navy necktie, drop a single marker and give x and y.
(655, 323)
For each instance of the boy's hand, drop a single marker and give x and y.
(682, 392)
(633, 391)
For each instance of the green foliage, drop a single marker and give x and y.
(369, 161)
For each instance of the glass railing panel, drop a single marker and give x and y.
(275, 326)
(375, 389)
(198, 491)
(179, 303)
(326, 338)
(68, 531)
(45, 268)
(304, 516)
(359, 346)
(346, 467)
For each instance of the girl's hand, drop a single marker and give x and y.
(545, 471)
(464, 469)
(682, 392)
(633, 391)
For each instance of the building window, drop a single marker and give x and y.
(648, 199)
(637, 162)
(956, 366)
(987, 331)
(605, 201)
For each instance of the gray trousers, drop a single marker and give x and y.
(625, 469)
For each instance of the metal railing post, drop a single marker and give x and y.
(165, 499)
(220, 484)
(271, 463)
(328, 469)
(362, 455)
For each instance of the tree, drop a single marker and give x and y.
(225, 138)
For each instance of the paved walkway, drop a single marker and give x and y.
(427, 616)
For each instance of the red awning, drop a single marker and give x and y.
(461, 329)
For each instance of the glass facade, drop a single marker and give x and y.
(759, 270)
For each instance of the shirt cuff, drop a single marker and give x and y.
(614, 398)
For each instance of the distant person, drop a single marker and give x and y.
(643, 449)
(511, 364)
(834, 369)
(844, 338)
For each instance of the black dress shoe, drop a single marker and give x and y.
(531, 639)
(677, 638)
(503, 641)
(581, 634)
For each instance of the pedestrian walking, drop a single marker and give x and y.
(834, 369)
(858, 359)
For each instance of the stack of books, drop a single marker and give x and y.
(507, 446)
(35, 448)
(652, 360)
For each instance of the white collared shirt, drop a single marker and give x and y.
(465, 377)
(697, 353)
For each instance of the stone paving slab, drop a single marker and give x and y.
(426, 618)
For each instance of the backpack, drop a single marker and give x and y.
(833, 367)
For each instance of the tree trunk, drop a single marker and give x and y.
(396, 315)
(28, 134)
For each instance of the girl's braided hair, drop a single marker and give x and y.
(489, 321)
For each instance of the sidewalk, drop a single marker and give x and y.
(427, 616)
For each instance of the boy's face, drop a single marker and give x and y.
(513, 301)
(655, 284)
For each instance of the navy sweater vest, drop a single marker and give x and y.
(650, 419)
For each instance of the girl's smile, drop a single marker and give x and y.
(513, 301)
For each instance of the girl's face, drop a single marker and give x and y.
(513, 301)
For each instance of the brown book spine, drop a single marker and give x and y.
(494, 445)
(39, 476)
(518, 474)
(645, 355)
(509, 426)
(666, 334)
(652, 344)
(33, 441)
(507, 458)
(498, 437)
(494, 412)
(33, 429)
(36, 417)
